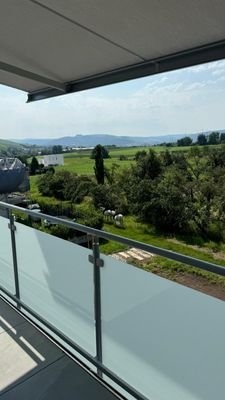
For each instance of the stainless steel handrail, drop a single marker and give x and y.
(194, 262)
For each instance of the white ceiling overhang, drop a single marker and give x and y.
(53, 47)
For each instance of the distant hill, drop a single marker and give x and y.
(7, 146)
(93, 140)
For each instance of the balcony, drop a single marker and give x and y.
(100, 328)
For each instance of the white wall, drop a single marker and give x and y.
(53, 159)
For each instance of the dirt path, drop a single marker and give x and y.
(199, 283)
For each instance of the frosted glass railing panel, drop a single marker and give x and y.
(56, 280)
(6, 260)
(166, 340)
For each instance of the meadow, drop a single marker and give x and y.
(79, 161)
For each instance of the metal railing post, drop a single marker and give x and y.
(14, 255)
(97, 300)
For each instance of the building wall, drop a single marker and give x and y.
(53, 159)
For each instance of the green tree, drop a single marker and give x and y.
(167, 204)
(186, 141)
(23, 159)
(202, 139)
(214, 138)
(167, 158)
(140, 154)
(149, 167)
(99, 164)
(57, 149)
(34, 166)
(86, 214)
(96, 151)
(222, 137)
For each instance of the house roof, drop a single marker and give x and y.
(52, 47)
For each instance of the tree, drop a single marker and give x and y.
(86, 214)
(186, 141)
(149, 167)
(23, 159)
(57, 149)
(214, 138)
(140, 154)
(222, 137)
(167, 158)
(202, 139)
(34, 166)
(98, 153)
(98, 148)
(166, 203)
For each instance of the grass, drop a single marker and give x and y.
(79, 161)
(170, 269)
(144, 233)
(126, 151)
(85, 166)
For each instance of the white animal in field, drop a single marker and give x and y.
(118, 219)
(107, 214)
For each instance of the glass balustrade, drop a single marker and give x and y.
(6, 259)
(56, 281)
(164, 340)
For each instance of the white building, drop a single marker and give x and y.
(53, 159)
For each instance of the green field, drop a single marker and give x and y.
(84, 165)
(80, 162)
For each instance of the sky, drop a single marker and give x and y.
(184, 101)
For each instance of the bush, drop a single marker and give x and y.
(215, 232)
(61, 231)
(122, 157)
(86, 214)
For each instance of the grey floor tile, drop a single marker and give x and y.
(8, 317)
(24, 351)
(63, 380)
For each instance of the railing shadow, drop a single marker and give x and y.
(24, 351)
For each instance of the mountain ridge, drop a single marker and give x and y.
(107, 139)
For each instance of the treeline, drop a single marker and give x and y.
(174, 191)
(203, 140)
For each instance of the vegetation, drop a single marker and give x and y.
(11, 149)
(186, 141)
(99, 153)
(176, 192)
(172, 199)
(34, 166)
(57, 149)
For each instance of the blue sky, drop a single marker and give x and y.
(184, 101)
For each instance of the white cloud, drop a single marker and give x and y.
(213, 66)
